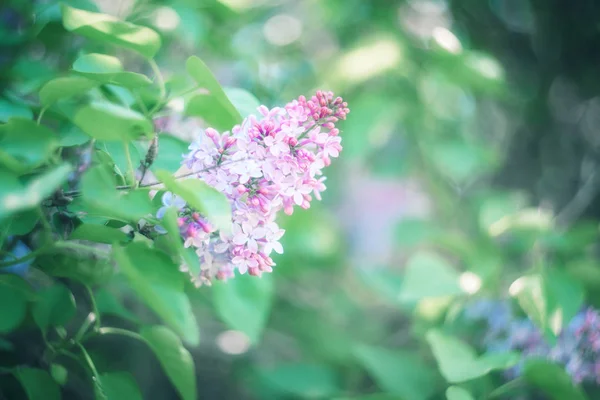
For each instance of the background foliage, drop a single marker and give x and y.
(469, 164)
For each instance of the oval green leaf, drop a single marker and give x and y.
(38, 384)
(63, 88)
(176, 361)
(108, 70)
(55, 306)
(109, 29)
(107, 121)
(215, 107)
(244, 303)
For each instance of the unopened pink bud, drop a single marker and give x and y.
(334, 132)
(221, 276)
(293, 142)
(180, 222)
(241, 189)
(289, 210)
(254, 271)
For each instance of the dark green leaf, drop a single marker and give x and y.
(106, 28)
(159, 283)
(99, 233)
(38, 384)
(16, 292)
(174, 358)
(107, 303)
(63, 88)
(244, 303)
(215, 107)
(120, 386)
(55, 306)
(201, 196)
(10, 110)
(552, 380)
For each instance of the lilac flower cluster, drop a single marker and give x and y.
(268, 163)
(577, 347)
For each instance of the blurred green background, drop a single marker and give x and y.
(473, 138)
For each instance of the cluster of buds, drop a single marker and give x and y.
(266, 164)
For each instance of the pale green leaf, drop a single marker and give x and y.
(109, 29)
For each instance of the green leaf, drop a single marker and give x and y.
(99, 192)
(459, 363)
(245, 102)
(55, 306)
(418, 283)
(14, 197)
(565, 298)
(107, 121)
(99, 233)
(59, 373)
(63, 88)
(207, 200)
(215, 107)
(458, 393)
(72, 136)
(116, 150)
(159, 283)
(107, 303)
(244, 303)
(174, 358)
(398, 372)
(170, 154)
(20, 223)
(303, 380)
(106, 28)
(108, 70)
(14, 291)
(120, 386)
(376, 396)
(174, 239)
(550, 299)
(10, 110)
(552, 380)
(25, 145)
(38, 384)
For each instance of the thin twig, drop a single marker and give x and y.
(75, 193)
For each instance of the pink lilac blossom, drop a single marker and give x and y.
(266, 164)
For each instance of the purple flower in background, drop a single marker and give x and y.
(577, 348)
(19, 250)
(168, 200)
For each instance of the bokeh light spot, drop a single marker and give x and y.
(282, 30)
(233, 342)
